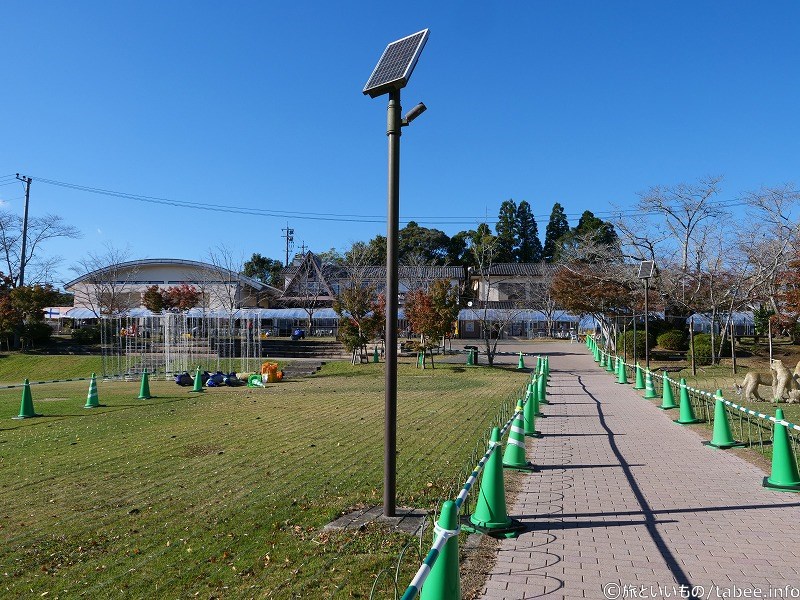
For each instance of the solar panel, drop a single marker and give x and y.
(396, 64)
(646, 269)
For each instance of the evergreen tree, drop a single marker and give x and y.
(590, 232)
(506, 232)
(528, 247)
(602, 232)
(557, 228)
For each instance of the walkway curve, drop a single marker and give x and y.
(629, 504)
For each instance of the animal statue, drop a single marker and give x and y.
(796, 374)
(794, 397)
(752, 380)
(783, 378)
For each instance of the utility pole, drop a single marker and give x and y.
(289, 235)
(303, 248)
(27, 181)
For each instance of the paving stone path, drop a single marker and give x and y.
(627, 501)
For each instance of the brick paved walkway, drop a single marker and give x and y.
(625, 496)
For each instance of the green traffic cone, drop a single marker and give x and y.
(686, 416)
(514, 456)
(784, 475)
(639, 385)
(490, 514)
(198, 381)
(375, 357)
(92, 400)
(649, 390)
(602, 360)
(542, 383)
(26, 405)
(596, 352)
(722, 437)
(622, 373)
(610, 368)
(547, 367)
(534, 398)
(538, 365)
(144, 389)
(521, 362)
(444, 581)
(529, 414)
(668, 401)
(470, 358)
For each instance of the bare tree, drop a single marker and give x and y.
(108, 284)
(542, 299)
(225, 269)
(38, 269)
(493, 321)
(768, 239)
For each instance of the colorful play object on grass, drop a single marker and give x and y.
(270, 372)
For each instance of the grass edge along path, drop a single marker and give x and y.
(227, 490)
(704, 401)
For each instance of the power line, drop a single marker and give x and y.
(334, 217)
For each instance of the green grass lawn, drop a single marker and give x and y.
(225, 493)
(14, 367)
(713, 377)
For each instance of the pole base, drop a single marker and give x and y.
(689, 422)
(21, 417)
(726, 446)
(528, 466)
(513, 528)
(93, 406)
(668, 407)
(145, 397)
(781, 488)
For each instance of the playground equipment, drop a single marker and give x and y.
(172, 343)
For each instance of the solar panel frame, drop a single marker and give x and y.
(396, 64)
(646, 269)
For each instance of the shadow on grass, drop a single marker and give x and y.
(42, 419)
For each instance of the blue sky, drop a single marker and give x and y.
(259, 105)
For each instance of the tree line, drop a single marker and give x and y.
(515, 238)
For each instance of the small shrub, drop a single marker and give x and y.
(87, 335)
(673, 339)
(626, 341)
(702, 348)
(37, 333)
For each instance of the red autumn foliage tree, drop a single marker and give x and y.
(432, 313)
(788, 298)
(588, 289)
(181, 298)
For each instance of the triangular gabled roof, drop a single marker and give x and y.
(311, 269)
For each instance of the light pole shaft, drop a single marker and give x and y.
(23, 249)
(393, 125)
(646, 327)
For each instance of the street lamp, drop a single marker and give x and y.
(390, 75)
(646, 269)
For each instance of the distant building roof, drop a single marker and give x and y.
(175, 262)
(520, 269)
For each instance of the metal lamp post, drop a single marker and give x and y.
(646, 269)
(389, 77)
